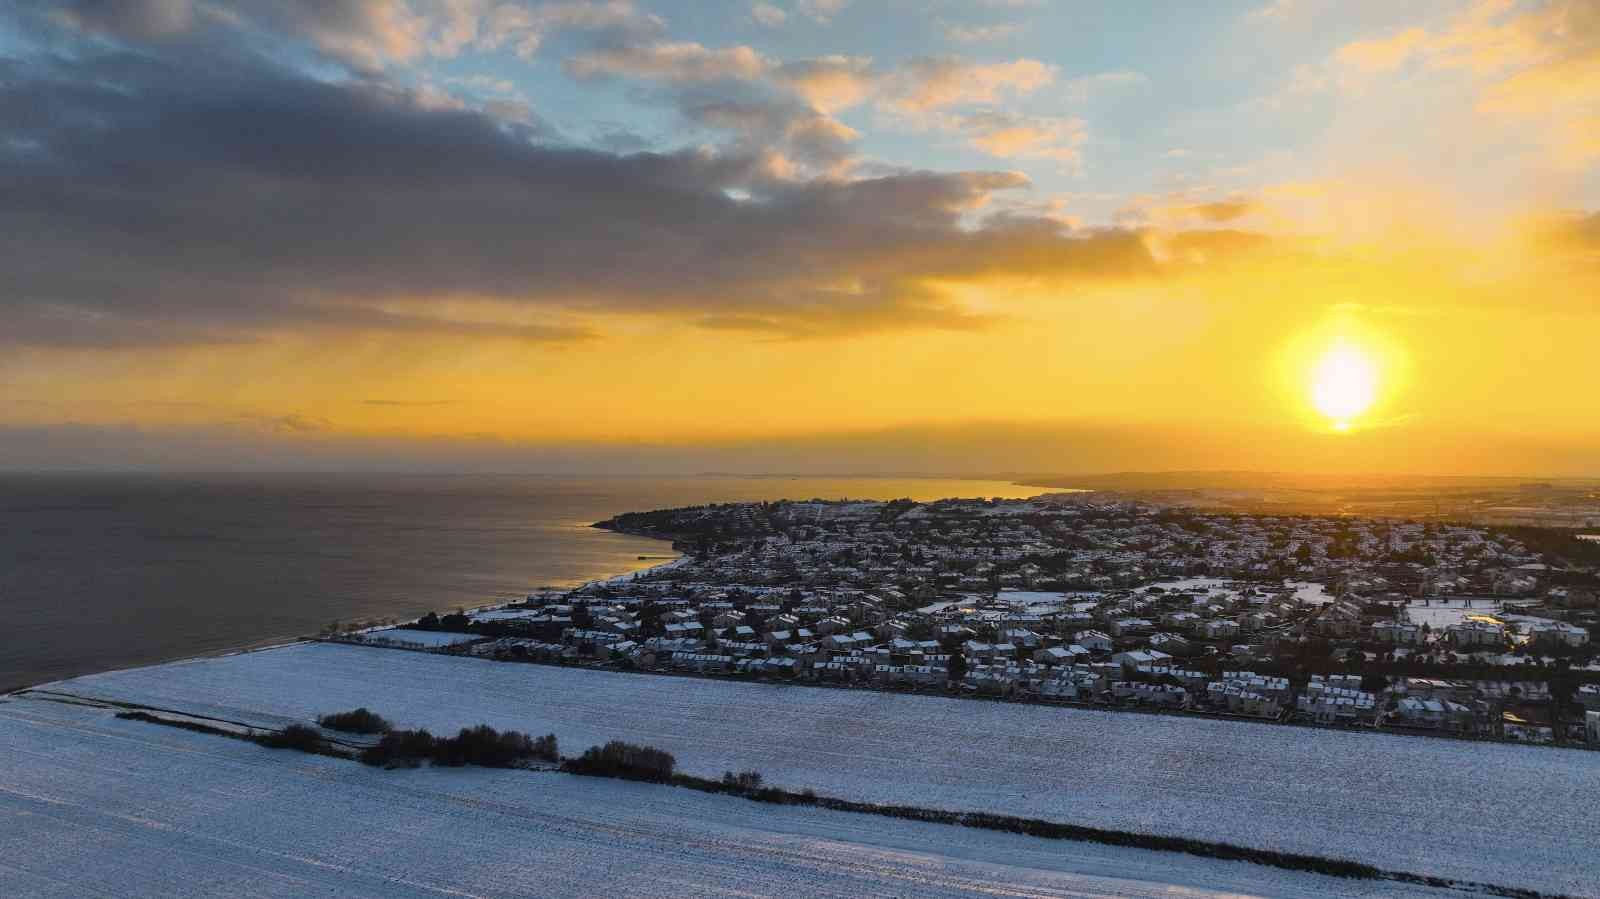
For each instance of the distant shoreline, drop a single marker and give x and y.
(278, 642)
(27, 679)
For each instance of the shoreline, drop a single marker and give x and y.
(26, 679)
(278, 642)
(682, 558)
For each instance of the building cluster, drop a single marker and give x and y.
(1082, 599)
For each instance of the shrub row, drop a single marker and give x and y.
(743, 782)
(482, 745)
(179, 724)
(624, 760)
(749, 785)
(302, 737)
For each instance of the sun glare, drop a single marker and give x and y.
(1344, 384)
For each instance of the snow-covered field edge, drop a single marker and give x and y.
(1031, 827)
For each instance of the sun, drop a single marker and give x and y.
(1344, 384)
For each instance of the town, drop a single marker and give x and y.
(1092, 599)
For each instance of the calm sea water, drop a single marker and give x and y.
(100, 572)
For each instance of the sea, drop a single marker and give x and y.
(105, 571)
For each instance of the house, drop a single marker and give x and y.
(1420, 712)
(973, 649)
(1021, 636)
(1170, 643)
(1157, 694)
(1180, 620)
(1256, 621)
(1399, 633)
(1135, 658)
(1094, 641)
(1517, 728)
(832, 625)
(1128, 627)
(892, 629)
(1479, 631)
(1589, 697)
(838, 641)
(1559, 633)
(1240, 700)
(1060, 655)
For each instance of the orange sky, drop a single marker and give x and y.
(773, 304)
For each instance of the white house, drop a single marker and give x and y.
(1169, 643)
(1094, 641)
(1399, 633)
(1125, 627)
(1135, 658)
(1559, 633)
(1060, 655)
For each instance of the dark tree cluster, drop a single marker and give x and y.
(455, 622)
(296, 736)
(482, 746)
(624, 760)
(359, 721)
(743, 782)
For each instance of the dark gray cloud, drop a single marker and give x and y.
(798, 132)
(362, 34)
(178, 191)
(139, 19)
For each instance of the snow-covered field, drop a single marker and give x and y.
(95, 806)
(1501, 814)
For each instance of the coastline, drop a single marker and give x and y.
(537, 532)
(623, 578)
(280, 641)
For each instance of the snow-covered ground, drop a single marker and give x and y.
(1032, 597)
(405, 636)
(1440, 613)
(1194, 584)
(506, 614)
(96, 806)
(1044, 602)
(1495, 813)
(1311, 592)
